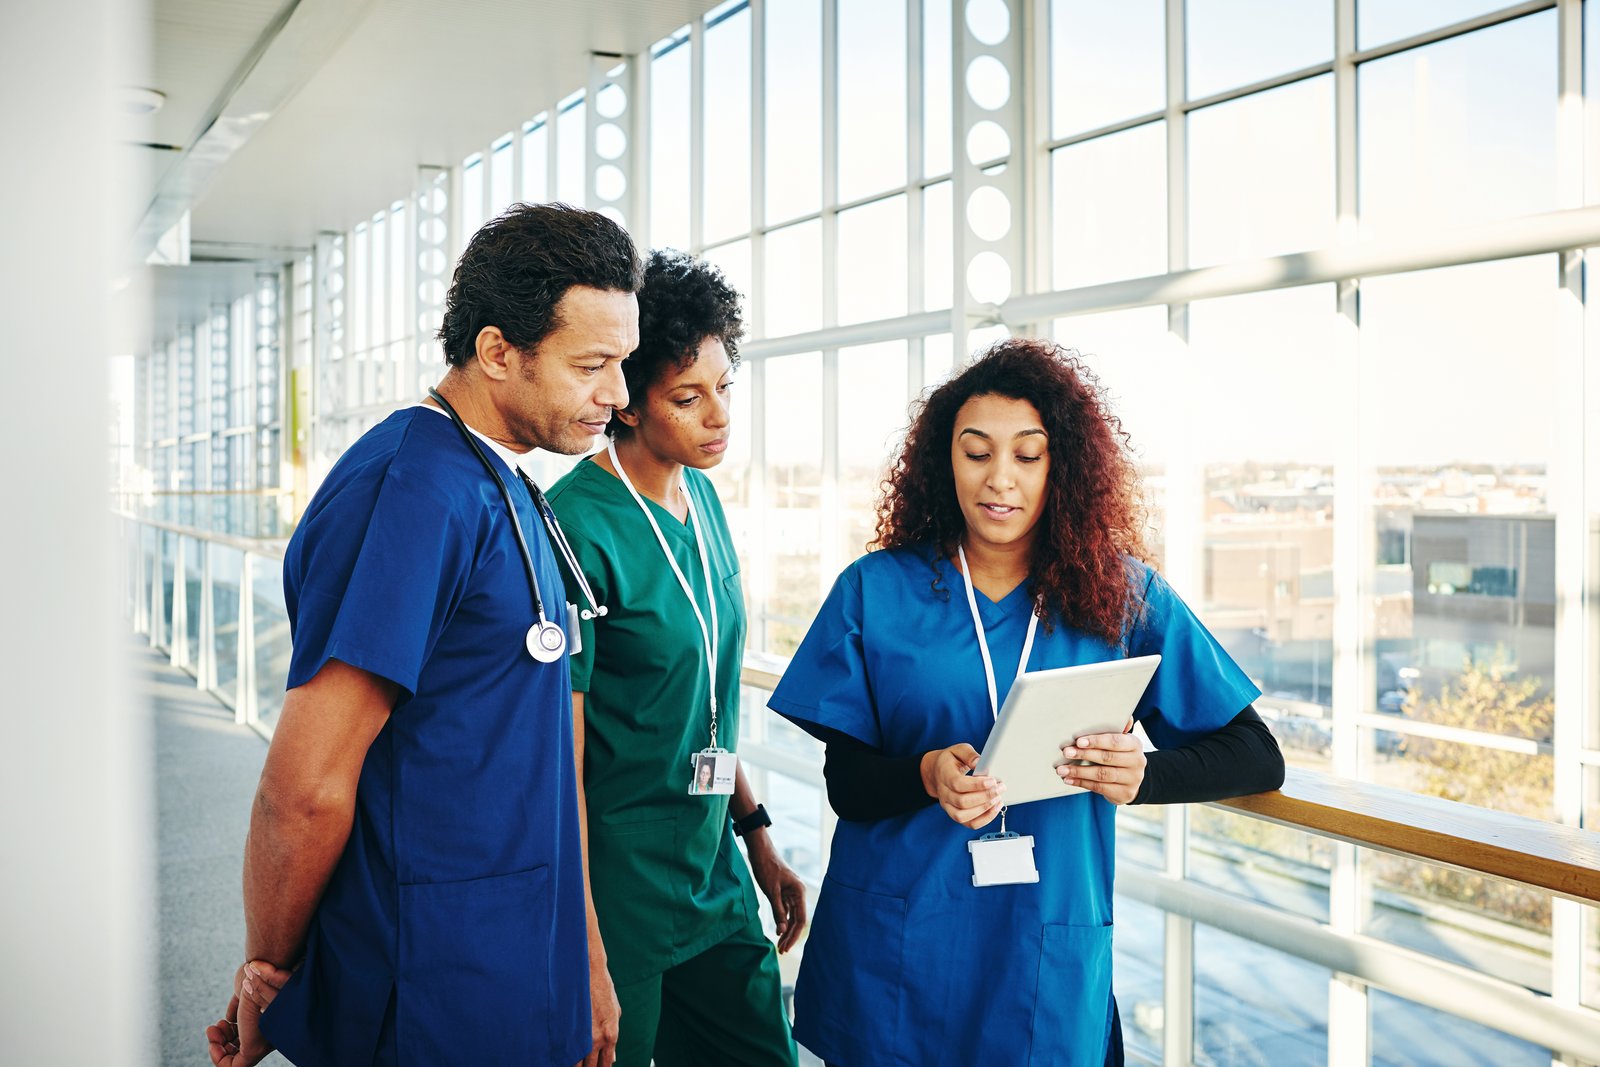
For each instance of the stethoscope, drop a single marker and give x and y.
(546, 640)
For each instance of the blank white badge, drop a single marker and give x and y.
(1004, 860)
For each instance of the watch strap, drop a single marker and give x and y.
(754, 821)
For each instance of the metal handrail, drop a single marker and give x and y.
(269, 548)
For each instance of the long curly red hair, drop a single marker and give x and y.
(1093, 518)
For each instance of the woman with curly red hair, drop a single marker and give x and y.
(1009, 539)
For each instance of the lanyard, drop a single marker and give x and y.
(707, 634)
(983, 643)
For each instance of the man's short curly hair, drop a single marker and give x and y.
(684, 300)
(520, 264)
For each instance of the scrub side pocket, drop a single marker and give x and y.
(627, 865)
(848, 997)
(1072, 1003)
(465, 950)
(330, 1012)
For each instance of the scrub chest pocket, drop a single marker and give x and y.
(477, 946)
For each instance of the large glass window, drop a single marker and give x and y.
(1381, 21)
(1460, 131)
(938, 246)
(1107, 62)
(792, 424)
(1405, 1033)
(1131, 354)
(669, 144)
(936, 60)
(793, 108)
(1461, 445)
(536, 161)
(1261, 174)
(734, 259)
(501, 193)
(472, 204)
(793, 301)
(1237, 42)
(872, 419)
(726, 163)
(872, 97)
(1253, 1004)
(1109, 207)
(1260, 423)
(572, 184)
(1483, 924)
(871, 268)
(1137, 978)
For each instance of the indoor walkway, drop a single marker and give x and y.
(206, 770)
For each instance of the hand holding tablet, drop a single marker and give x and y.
(1035, 738)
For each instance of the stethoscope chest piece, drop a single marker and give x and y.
(546, 641)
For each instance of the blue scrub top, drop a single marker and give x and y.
(453, 928)
(907, 962)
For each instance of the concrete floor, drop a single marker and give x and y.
(206, 770)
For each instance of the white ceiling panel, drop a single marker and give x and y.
(196, 48)
(417, 82)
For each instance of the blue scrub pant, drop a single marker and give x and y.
(721, 1007)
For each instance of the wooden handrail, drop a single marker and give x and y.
(1564, 860)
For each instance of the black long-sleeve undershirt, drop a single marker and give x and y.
(1238, 759)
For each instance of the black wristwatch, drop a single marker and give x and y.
(754, 821)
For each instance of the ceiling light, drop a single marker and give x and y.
(140, 101)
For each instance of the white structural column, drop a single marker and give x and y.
(184, 409)
(916, 245)
(987, 143)
(219, 386)
(608, 162)
(1575, 589)
(160, 422)
(268, 406)
(754, 322)
(143, 431)
(1349, 1035)
(430, 276)
(330, 393)
(1184, 534)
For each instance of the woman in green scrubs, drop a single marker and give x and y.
(675, 937)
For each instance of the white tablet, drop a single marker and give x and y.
(1048, 709)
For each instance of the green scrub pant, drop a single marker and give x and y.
(724, 1006)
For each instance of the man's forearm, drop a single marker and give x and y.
(289, 856)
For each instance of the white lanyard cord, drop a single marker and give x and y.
(983, 643)
(707, 634)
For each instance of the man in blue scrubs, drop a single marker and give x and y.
(413, 853)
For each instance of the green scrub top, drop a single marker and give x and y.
(663, 867)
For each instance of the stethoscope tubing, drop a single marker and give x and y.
(540, 504)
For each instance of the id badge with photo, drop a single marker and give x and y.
(714, 770)
(1002, 859)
